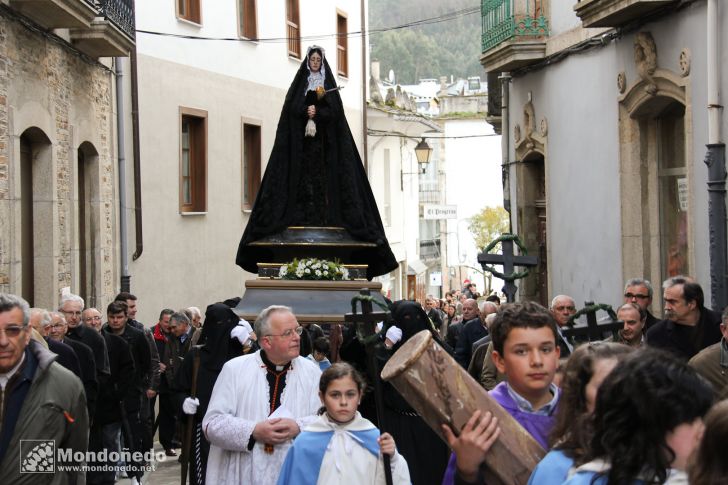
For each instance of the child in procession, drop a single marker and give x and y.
(585, 371)
(341, 446)
(648, 420)
(525, 351)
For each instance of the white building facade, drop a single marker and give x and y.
(610, 106)
(213, 77)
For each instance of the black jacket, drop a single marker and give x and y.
(453, 334)
(88, 373)
(66, 356)
(93, 339)
(117, 385)
(683, 340)
(142, 363)
(472, 331)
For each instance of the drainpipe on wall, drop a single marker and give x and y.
(137, 156)
(365, 151)
(505, 79)
(715, 159)
(121, 153)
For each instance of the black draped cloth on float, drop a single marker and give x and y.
(315, 181)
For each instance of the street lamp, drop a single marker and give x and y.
(423, 153)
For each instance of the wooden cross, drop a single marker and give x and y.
(593, 330)
(509, 261)
(366, 329)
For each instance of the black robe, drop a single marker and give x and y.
(317, 181)
(425, 452)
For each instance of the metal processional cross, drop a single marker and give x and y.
(509, 261)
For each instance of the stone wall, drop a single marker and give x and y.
(61, 100)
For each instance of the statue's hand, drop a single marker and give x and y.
(311, 111)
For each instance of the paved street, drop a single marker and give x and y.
(166, 472)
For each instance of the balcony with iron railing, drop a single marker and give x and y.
(57, 14)
(514, 33)
(430, 193)
(615, 13)
(429, 249)
(111, 33)
(98, 28)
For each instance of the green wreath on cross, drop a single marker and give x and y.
(366, 339)
(592, 308)
(516, 275)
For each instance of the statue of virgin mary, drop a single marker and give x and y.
(315, 177)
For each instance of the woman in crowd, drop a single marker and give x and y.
(647, 421)
(710, 466)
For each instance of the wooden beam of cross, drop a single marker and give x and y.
(366, 329)
(509, 261)
(593, 330)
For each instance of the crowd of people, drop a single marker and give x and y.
(267, 402)
(121, 365)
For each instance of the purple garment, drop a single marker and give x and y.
(538, 425)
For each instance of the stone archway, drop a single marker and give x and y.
(532, 201)
(655, 131)
(88, 227)
(36, 189)
(533, 224)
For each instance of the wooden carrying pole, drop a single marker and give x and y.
(442, 392)
(190, 424)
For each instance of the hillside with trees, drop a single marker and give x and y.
(449, 44)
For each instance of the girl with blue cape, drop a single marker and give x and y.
(341, 446)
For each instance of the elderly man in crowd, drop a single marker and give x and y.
(57, 332)
(72, 308)
(688, 326)
(260, 402)
(92, 318)
(455, 332)
(563, 307)
(40, 320)
(29, 380)
(633, 330)
(639, 291)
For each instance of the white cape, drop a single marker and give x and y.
(239, 401)
(349, 463)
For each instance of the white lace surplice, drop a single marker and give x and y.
(239, 401)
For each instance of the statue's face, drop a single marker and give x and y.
(314, 62)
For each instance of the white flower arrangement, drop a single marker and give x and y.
(313, 269)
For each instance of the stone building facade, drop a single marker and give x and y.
(58, 215)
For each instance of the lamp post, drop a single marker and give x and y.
(423, 152)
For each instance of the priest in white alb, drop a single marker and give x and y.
(260, 403)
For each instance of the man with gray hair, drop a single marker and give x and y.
(29, 380)
(260, 402)
(196, 318)
(40, 320)
(562, 308)
(688, 326)
(57, 334)
(473, 330)
(170, 397)
(72, 308)
(639, 292)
